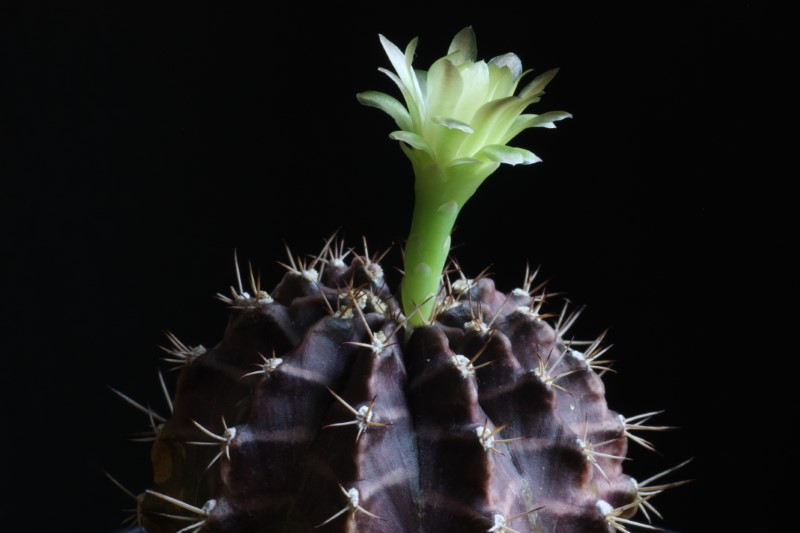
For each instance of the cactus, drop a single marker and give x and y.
(331, 404)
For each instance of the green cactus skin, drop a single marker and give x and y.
(312, 414)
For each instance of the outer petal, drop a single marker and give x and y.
(464, 161)
(508, 155)
(412, 73)
(537, 85)
(463, 47)
(397, 58)
(510, 61)
(388, 104)
(411, 139)
(453, 124)
(523, 122)
(501, 82)
(504, 77)
(402, 66)
(492, 120)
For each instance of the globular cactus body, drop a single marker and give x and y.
(321, 409)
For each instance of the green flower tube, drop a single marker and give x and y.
(455, 127)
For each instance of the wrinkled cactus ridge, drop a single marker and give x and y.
(321, 409)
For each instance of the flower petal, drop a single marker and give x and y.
(412, 73)
(509, 61)
(392, 76)
(422, 80)
(396, 57)
(411, 139)
(410, 49)
(453, 124)
(389, 105)
(475, 77)
(545, 120)
(412, 105)
(463, 47)
(491, 122)
(463, 161)
(537, 84)
(501, 83)
(508, 155)
(444, 87)
(402, 67)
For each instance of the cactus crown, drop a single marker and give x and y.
(455, 127)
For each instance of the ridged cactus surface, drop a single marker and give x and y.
(321, 409)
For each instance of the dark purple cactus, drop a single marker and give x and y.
(321, 409)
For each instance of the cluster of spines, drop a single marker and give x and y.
(269, 447)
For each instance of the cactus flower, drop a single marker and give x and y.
(458, 119)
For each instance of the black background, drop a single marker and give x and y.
(143, 144)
